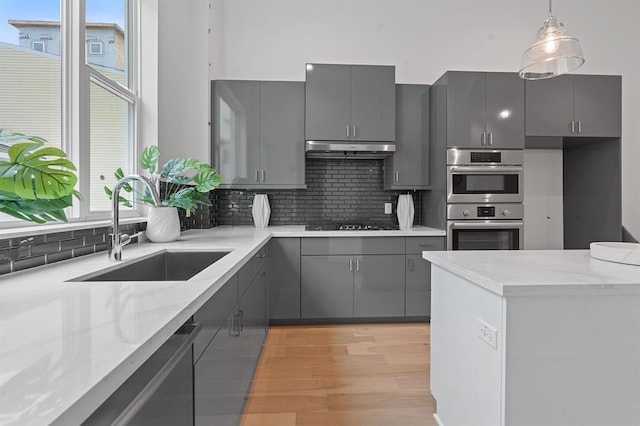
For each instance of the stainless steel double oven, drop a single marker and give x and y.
(485, 199)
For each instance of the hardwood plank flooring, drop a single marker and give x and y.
(343, 375)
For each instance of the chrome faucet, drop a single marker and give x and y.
(120, 240)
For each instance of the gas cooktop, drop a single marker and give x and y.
(351, 227)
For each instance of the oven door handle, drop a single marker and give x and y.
(493, 225)
(486, 169)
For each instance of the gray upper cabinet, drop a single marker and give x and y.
(574, 105)
(408, 167)
(258, 134)
(236, 131)
(350, 102)
(485, 110)
(282, 133)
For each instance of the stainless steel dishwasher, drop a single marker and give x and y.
(160, 392)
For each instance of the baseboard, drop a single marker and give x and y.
(319, 321)
(435, 416)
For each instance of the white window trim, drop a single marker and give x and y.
(76, 78)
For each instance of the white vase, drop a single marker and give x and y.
(163, 224)
(405, 211)
(261, 210)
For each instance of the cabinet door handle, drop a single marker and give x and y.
(354, 130)
(350, 265)
(572, 127)
(397, 176)
(409, 265)
(483, 138)
(579, 126)
(257, 175)
(357, 265)
(264, 176)
(241, 322)
(348, 130)
(425, 244)
(490, 138)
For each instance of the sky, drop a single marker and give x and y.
(109, 11)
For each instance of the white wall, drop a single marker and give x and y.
(183, 79)
(543, 213)
(273, 39)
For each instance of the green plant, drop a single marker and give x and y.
(187, 181)
(36, 182)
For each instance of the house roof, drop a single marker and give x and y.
(54, 24)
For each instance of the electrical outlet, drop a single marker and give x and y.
(488, 334)
(387, 208)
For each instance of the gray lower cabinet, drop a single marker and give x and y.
(408, 167)
(418, 275)
(224, 372)
(327, 286)
(574, 105)
(378, 286)
(418, 288)
(283, 278)
(350, 102)
(258, 133)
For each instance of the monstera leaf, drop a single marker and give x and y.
(34, 172)
(149, 159)
(36, 182)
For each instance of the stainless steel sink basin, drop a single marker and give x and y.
(163, 266)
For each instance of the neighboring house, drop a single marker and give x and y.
(105, 41)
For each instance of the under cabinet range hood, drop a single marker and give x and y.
(349, 149)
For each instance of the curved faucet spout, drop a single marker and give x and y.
(118, 240)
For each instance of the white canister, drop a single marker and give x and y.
(405, 211)
(261, 210)
(163, 224)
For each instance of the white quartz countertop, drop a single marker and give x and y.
(66, 346)
(539, 272)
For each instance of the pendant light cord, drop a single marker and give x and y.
(550, 8)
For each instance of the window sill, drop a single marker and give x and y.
(61, 227)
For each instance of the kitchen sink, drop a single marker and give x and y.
(163, 266)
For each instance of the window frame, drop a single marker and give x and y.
(95, 43)
(77, 76)
(42, 42)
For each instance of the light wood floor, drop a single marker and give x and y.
(365, 374)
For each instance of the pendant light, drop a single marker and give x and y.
(553, 54)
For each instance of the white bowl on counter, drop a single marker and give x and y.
(628, 253)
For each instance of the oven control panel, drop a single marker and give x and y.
(485, 211)
(484, 157)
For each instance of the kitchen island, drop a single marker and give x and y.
(65, 347)
(534, 338)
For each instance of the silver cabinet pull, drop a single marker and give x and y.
(409, 265)
(572, 127)
(490, 138)
(354, 130)
(264, 176)
(579, 126)
(357, 265)
(348, 130)
(483, 138)
(397, 176)
(257, 175)
(350, 265)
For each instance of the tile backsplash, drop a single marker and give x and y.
(21, 253)
(337, 190)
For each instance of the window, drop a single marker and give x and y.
(38, 46)
(90, 110)
(95, 48)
